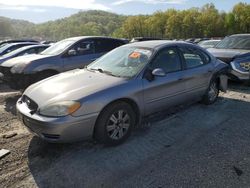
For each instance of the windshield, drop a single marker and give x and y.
(58, 47)
(235, 42)
(122, 62)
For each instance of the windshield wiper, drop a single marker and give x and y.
(102, 71)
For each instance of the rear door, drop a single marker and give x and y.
(85, 54)
(168, 90)
(198, 70)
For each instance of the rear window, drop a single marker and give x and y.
(194, 57)
(106, 45)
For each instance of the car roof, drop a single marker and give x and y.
(91, 37)
(13, 44)
(156, 43)
(241, 35)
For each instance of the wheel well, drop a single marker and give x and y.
(128, 101)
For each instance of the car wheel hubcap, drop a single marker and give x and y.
(118, 124)
(213, 91)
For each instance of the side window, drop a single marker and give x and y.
(194, 57)
(84, 48)
(106, 45)
(29, 51)
(39, 50)
(167, 59)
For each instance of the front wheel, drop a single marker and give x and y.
(115, 123)
(212, 93)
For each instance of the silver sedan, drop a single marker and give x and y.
(110, 96)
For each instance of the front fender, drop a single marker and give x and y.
(223, 82)
(41, 68)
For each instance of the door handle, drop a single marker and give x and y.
(93, 59)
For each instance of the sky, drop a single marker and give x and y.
(39, 11)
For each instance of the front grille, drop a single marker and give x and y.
(51, 136)
(30, 103)
(5, 71)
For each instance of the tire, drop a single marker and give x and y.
(114, 124)
(212, 93)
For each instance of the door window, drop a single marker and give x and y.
(194, 57)
(168, 60)
(29, 51)
(84, 48)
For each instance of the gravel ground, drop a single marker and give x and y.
(189, 146)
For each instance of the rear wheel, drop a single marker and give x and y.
(115, 123)
(212, 93)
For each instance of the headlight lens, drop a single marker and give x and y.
(245, 65)
(60, 109)
(16, 69)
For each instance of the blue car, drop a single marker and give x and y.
(68, 54)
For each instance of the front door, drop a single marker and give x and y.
(84, 54)
(168, 90)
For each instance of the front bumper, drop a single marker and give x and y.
(57, 129)
(15, 81)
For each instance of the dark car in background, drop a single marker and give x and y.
(62, 56)
(26, 50)
(235, 50)
(13, 46)
(111, 95)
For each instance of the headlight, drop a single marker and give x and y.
(18, 68)
(245, 65)
(60, 108)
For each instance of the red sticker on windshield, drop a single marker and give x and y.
(135, 55)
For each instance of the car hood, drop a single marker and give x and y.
(24, 59)
(71, 85)
(227, 55)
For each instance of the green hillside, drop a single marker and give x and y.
(206, 21)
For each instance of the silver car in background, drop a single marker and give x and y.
(110, 96)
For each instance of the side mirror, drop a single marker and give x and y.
(71, 52)
(158, 72)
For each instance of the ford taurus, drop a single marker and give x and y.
(111, 95)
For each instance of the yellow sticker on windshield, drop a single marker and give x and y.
(135, 55)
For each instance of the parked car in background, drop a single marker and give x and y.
(111, 95)
(208, 43)
(26, 50)
(235, 50)
(139, 39)
(13, 46)
(196, 41)
(2, 43)
(62, 56)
